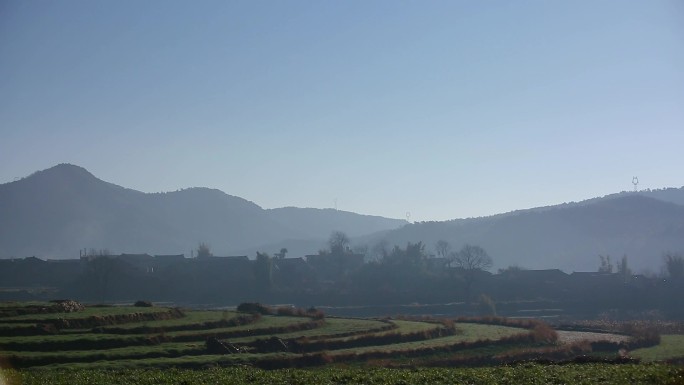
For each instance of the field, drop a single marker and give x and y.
(522, 374)
(39, 343)
(671, 347)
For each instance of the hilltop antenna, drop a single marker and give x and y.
(335, 204)
(635, 182)
(408, 216)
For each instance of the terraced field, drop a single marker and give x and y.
(36, 335)
(68, 337)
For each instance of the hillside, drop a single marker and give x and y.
(55, 212)
(569, 237)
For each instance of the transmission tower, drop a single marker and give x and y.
(635, 182)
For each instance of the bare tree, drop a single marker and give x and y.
(674, 264)
(471, 260)
(442, 248)
(606, 265)
(623, 268)
(203, 250)
(282, 254)
(338, 242)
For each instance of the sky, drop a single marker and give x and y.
(440, 109)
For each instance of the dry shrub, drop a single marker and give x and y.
(543, 333)
(643, 336)
(254, 308)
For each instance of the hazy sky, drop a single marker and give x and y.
(445, 109)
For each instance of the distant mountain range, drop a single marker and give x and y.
(55, 212)
(641, 225)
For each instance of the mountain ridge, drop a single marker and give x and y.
(57, 211)
(568, 237)
(60, 210)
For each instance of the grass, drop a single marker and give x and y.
(531, 374)
(191, 317)
(671, 346)
(188, 361)
(332, 328)
(406, 327)
(61, 338)
(265, 322)
(470, 333)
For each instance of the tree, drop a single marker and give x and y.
(203, 250)
(282, 254)
(674, 264)
(338, 243)
(405, 268)
(606, 265)
(380, 250)
(413, 257)
(511, 270)
(442, 248)
(623, 269)
(471, 260)
(263, 270)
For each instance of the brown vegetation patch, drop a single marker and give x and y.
(56, 306)
(115, 319)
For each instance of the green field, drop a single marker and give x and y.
(530, 374)
(671, 347)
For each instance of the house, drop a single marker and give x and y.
(331, 267)
(142, 262)
(292, 272)
(164, 261)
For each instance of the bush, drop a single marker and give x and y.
(143, 304)
(643, 337)
(254, 308)
(543, 333)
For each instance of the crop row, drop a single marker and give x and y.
(531, 374)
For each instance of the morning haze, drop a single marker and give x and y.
(505, 176)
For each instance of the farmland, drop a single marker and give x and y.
(92, 344)
(522, 374)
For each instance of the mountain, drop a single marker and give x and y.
(58, 211)
(55, 212)
(569, 236)
(316, 221)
